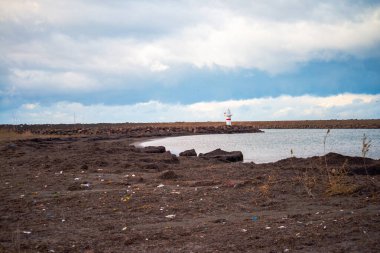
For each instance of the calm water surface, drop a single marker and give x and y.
(275, 144)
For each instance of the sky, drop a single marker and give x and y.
(90, 61)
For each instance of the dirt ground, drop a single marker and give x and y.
(101, 194)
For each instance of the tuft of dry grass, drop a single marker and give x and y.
(324, 151)
(339, 183)
(264, 189)
(340, 188)
(366, 144)
(309, 183)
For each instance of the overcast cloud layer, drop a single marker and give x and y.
(345, 106)
(102, 56)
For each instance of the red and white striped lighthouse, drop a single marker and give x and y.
(228, 115)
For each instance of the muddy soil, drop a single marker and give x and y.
(103, 195)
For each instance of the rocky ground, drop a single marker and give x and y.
(101, 194)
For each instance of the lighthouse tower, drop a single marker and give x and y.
(228, 115)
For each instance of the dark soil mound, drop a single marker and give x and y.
(364, 170)
(334, 158)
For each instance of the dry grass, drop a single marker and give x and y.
(339, 183)
(265, 188)
(304, 179)
(330, 180)
(10, 135)
(309, 183)
(366, 144)
(341, 188)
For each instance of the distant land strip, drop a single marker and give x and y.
(285, 124)
(138, 130)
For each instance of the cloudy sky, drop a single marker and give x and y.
(160, 60)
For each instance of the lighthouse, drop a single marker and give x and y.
(228, 115)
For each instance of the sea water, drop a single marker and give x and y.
(276, 144)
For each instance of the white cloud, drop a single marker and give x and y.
(60, 81)
(272, 36)
(269, 45)
(158, 67)
(343, 106)
(30, 106)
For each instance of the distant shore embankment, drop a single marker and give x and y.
(184, 128)
(316, 124)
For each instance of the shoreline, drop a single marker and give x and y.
(288, 124)
(186, 143)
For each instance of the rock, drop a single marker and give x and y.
(168, 174)
(153, 149)
(221, 155)
(169, 158)
(190, 152)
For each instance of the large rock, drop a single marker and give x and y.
(154, 149)
(190, 152)
(221, 155)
